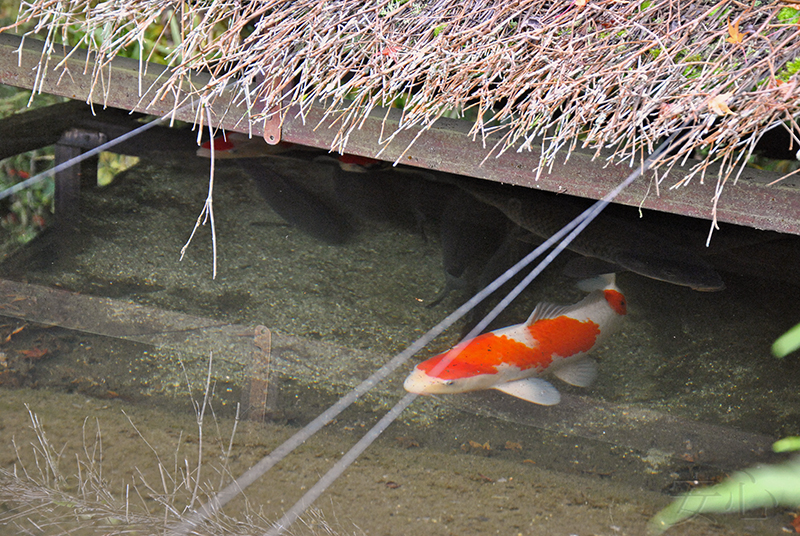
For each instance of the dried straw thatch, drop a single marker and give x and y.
(591, 73)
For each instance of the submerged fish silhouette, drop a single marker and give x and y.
(289, 196)
(554, 339)
(614, 240)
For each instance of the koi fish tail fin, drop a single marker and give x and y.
(601, 282)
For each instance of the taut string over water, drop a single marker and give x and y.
(565, 235)
(207, 213)
(570, 230)
(86, 155)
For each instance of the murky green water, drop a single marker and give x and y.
(687, 390)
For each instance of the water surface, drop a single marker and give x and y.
(687, 390)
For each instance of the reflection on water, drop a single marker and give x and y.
(686, 392)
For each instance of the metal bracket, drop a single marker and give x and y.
(273, 122)
(272, 127)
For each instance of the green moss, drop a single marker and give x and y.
(692, 71)
(789, 15)
(790, 69)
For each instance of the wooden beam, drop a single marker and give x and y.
(446, 146)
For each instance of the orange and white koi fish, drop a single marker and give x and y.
(555, 339)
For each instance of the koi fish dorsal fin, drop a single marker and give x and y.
(534, 390)
(600, 282)
(550, 310)
(580, 373)
(547, 310)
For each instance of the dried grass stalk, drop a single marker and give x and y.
(590, 73)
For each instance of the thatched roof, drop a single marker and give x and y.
(591, 73)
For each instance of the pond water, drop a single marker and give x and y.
(687, 390)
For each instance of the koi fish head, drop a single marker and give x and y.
(420, 383)
(458, 376)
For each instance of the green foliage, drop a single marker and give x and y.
(158, 43)
(110, 165)
(28, 212)
(790, 69)
(787, 444)
(789, 15)
(25, 214)
(722, 11)
(8, 12)
(787, 343)
(693, 71)
(416, 8)
(760, 487)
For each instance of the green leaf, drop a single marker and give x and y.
(787, 343)
(761, 487)
(787, 444)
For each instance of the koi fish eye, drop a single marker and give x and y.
(448, 383)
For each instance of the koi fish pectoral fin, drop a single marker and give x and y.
(580, 373)
(534, 390)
